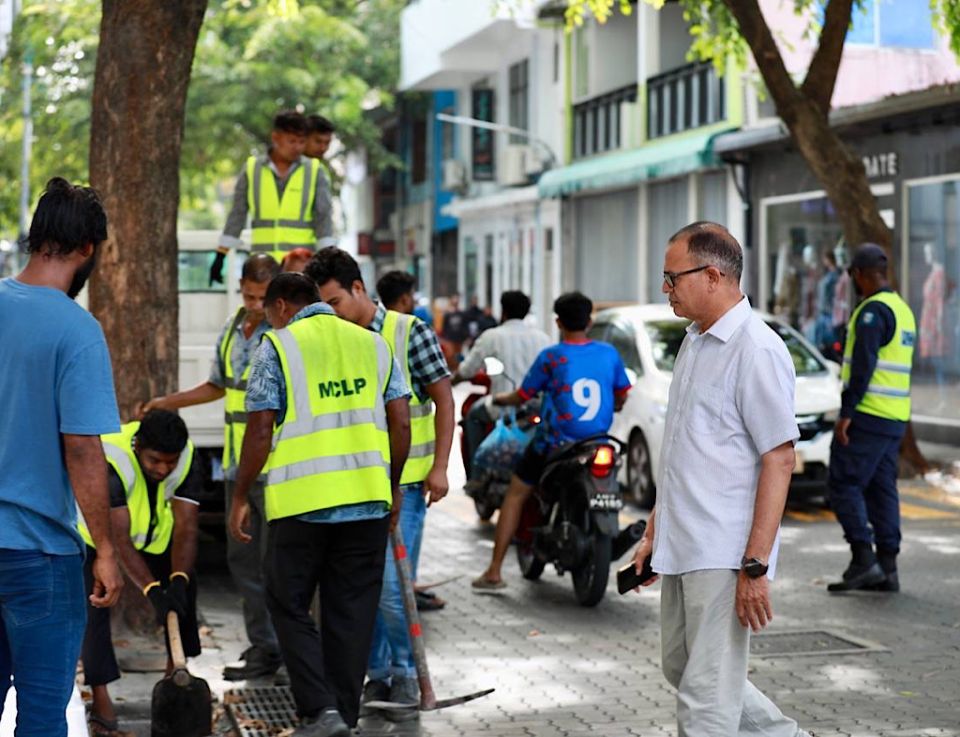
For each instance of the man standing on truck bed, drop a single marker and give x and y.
(285, 195)
(228, 379)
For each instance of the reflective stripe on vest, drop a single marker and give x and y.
(118, 449)
(332, 448)
(396, 329)
(280, 224)
(234, 387)
(888, 391)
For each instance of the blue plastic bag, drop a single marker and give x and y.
(502, 448)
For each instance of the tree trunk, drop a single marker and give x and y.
(139, 96)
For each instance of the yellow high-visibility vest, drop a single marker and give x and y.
(423, 435)
(332, 447)
(234, 387)
(888, 392)
(280, 224)
(118, 448)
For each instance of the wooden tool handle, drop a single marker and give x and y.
(176, 646)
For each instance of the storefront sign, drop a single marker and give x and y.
(484, 145)
(881, 165)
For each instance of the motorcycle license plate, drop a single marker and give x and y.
(609, 501)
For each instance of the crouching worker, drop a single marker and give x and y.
(154, 487)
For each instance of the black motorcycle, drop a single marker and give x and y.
(571, 519)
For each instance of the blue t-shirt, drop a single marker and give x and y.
(55, 378)
(579, 382)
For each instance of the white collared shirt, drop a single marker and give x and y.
(515, 343)
(731, 401)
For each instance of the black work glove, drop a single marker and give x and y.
(160, 602)
(216, 268)
(177, 595)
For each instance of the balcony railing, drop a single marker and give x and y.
(599, 124)
(681, 99)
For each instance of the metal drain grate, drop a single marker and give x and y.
(261, 711)
(809, 642)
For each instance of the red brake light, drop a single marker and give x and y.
(603, 459)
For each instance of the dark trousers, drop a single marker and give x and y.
(863, 488)
(97, 654)
(246, 567)
(345, 562)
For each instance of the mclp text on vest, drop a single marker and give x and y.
(341, 387)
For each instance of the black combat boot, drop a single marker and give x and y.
(863, 571)
(888, 562)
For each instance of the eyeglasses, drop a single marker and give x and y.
(670, 277)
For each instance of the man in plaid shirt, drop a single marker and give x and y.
(391, 672)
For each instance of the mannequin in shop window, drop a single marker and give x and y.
(933, 343)
(809, 278)
(841, 298)
(823, 334)
(786, 285)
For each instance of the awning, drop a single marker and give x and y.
(670, 158)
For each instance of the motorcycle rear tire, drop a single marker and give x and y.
(590, 579)
(485, 508)
(530, 565)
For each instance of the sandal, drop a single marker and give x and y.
(483, 585)
(427, 601)
(100, 727)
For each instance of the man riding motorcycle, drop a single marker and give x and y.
(584, 383)
(517, 346)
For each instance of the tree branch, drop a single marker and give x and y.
(822, 73)
(755, 31)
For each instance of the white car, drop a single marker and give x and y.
(648, 337)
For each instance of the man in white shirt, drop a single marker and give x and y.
(517, 345)
(725, 470)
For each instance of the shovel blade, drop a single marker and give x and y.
(181, 710)
(438, 704)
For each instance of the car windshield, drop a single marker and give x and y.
(666, 336)
(804, 361)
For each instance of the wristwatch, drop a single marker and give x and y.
(753, 567)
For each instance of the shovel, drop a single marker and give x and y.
(428, 699)
(181, 703)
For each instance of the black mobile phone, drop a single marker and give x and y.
(628, 579)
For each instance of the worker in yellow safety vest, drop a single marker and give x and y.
(155, 489)
(328, 421)
(391, 671)
(283, 193)
(229, 373)
(875, 409)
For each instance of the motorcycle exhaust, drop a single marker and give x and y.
(627, 538)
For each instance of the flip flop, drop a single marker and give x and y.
(428, 601)
(100, 727)
(482, 585)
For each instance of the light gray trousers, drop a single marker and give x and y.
(704, 656)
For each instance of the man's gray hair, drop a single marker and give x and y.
(711, 243)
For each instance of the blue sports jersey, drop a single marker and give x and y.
(579, 382)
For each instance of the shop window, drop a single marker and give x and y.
(906, 24)
(933, 234)
(418, 152)
(667, 212)
(519, 102)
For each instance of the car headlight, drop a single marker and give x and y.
(831, 417)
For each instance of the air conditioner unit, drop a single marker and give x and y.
(532, 161)
(454, 174)
(512, 166)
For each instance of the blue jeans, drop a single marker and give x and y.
(390, 652)
(42, 617)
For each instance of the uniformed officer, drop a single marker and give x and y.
(391, 671)
(875, 408)
(229, 372)
(327, 404)
(154, 497)
(285, 195)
